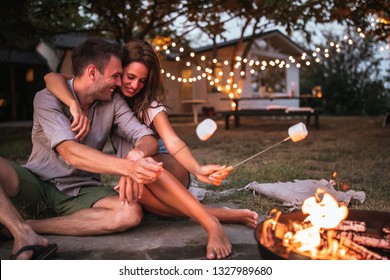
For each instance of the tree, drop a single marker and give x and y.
(25, 22)
(255, 16)
(349, 78)
(127, 19)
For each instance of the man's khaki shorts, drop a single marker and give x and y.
(41, 199)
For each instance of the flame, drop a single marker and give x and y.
(309, 238)
(315, 237)
(324, 212)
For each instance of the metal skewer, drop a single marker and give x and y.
(245, 160)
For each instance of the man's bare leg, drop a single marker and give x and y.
(23, 234)
(106, 216)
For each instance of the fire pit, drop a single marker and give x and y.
(361, 235)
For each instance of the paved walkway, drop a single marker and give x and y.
(154, 239)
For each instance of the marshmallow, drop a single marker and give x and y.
(206, 129)
(297, 132)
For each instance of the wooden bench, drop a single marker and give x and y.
(272, 112)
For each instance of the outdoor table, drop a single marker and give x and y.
(282, 111)
(237, 100)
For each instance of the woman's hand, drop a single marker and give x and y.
(81, 123)
(213, 174)
(134, 155)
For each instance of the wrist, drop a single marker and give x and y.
(140, 153)
(135, 155)
(73, 103)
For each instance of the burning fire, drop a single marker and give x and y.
(323, 212)
(320, 235)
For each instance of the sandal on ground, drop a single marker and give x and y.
(39, 252)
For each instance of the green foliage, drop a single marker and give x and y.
(24, 22)
(350, 79)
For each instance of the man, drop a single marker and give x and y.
(59, 187)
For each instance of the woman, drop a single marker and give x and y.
(142, 88)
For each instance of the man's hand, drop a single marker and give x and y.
(144, 171)
(129, 190)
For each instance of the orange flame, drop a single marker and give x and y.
(323, 212)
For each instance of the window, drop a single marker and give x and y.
(268, 79)
(216, 78)
(30, 75)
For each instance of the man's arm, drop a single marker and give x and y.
(85, 158)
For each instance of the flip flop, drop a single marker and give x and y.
(39, 252)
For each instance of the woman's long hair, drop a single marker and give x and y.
(142, 52)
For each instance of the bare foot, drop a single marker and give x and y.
(27, 237)
(235, 216)
(218, 244)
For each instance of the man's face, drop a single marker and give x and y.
(107, 82)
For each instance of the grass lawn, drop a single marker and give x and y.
(357, 148)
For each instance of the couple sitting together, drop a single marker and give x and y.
(116, 93)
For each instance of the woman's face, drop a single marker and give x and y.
(134, 78)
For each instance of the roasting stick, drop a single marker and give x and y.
(296, 133)
(263, 151)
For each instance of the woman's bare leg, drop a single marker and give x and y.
(175, 168)
(224, 214)
(235, 216)
(171, 193)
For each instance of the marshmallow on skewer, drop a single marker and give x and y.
(206, 129)
(297, 132)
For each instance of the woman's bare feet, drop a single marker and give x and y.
(235, 216)
(218, 244)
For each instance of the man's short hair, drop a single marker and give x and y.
(95, 51)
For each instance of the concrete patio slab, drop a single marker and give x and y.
(155, 239)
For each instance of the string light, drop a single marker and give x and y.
(254, 65)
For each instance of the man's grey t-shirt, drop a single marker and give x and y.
(52, 126)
